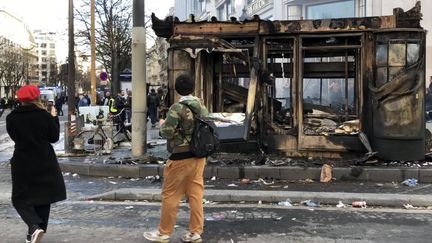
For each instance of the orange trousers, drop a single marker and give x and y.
(183, 177)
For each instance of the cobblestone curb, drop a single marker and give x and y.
(254, 172)
(232, 196)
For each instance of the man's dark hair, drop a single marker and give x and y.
(184, 85)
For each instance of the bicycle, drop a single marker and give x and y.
(96, 140)
(93, 140)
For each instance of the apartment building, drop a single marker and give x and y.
(47, 61)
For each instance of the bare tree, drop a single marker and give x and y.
(113, 34)
(13, 68)
(54, 75)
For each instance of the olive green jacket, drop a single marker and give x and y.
(179, 124)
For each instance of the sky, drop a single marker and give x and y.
(51, 15)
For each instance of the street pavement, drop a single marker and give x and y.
(81, 220)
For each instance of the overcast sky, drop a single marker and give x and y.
(51, 15)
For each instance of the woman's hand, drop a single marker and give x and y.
(53, 111)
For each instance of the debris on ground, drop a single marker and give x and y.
(75, 175)
(245, 181)
(310, 203)
(232, 185)
(410, 182)
(113, 182)
(277, 218)
(261, 180)
(205, 201)
(326, 173)
(341, 205)
(220, 216)
(306, 181)
(286, 203)
(275, 186)
(153, 179)
(409, 206)
(213, 178)
(379, 185)
(278, 162)
(66, 174)
(134, 179)
(259, 202)
(359, 204)
(129, 207)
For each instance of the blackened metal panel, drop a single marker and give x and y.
(398, 97)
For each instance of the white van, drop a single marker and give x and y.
(47, 94)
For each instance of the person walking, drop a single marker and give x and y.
(153, 104)
(59, 104)
(37, 181)
(183, 172)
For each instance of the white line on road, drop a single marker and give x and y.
(7, 144)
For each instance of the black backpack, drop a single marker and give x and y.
(205, 139)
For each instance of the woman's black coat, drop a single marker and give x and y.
(36, 175)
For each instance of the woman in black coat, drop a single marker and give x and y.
(36, 177)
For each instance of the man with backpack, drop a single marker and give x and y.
(183, 172)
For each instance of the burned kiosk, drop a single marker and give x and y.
(320, 88)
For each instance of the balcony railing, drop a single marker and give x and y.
(256, 5)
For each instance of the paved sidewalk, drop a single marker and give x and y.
(354, 173)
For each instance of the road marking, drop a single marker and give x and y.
(6, 144)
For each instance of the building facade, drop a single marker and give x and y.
(47, 61)
(157, 63)
(18, 55)
(303, 9)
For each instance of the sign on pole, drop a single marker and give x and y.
(103, 76)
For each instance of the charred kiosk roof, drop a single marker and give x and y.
(171, 26)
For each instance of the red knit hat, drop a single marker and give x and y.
(28, 93)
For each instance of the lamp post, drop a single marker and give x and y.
(71, 76)
(139, 96)
(93, 52)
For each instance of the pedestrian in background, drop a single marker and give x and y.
(88, 98)
(152, 105)
(163, 104)
(119, 105)
(83, 101)
(37, 181)
(183, 172)
(59, 105)
(107, 98)
(2, 105)
(129, 106)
